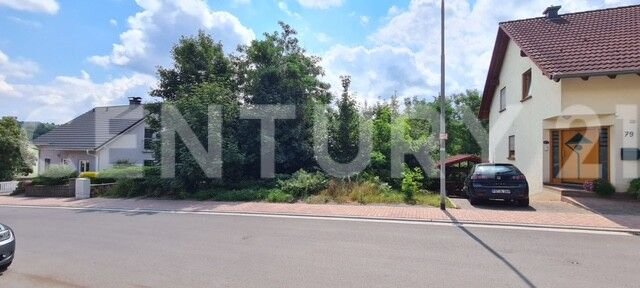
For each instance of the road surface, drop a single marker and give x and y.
(86, 248)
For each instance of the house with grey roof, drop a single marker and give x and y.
(98, 139)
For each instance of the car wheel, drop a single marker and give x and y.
(523, 203)
(474, 201)
(5, 266)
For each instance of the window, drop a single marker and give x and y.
(84, 166)
(512, 147)
(503, 99)
(526, 85)
(148, 139)
(47, 163)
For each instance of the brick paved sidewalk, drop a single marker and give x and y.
(530, 218)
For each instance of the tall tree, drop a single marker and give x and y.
(14, 157)
(344, 140)
(202, 75)
(276, 70)
(462, 141)
(197, 60)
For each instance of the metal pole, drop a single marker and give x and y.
(443, 152)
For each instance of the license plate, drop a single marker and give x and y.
(501, 191)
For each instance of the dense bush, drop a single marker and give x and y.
(603, 187)
(123, 172)
(278, 196)
(411, 184)
(96, 178)
(89, 175)
(126, 188)
(634, 188)
(56, 175)
(60, 171)
(303, 184)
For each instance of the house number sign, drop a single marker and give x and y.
(630, 141)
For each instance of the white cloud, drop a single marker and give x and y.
(379, 71)
(323, 37)
(153, 31)
(320, 4)
(17, 69)
(113, 22)
(66, 97)
(6, 88)
(285, 8)
(38, 6)
(364, 20)
(25, 22)
(404, 54)
(393, 10)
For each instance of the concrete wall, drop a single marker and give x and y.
(524, 120)
(619, 98)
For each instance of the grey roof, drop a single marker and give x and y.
(93, 128)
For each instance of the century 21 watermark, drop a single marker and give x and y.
(210, 159)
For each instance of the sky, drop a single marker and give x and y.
(59, 58)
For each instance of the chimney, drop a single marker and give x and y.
(552, 12)
(135, 100)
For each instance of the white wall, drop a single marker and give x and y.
(128, 146)
(524, 120)
(58, 156)
(619, 97)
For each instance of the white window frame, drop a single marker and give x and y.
(503, 99)
(511, 155)
(84, 166)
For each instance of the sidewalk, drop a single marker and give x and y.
(583, 220)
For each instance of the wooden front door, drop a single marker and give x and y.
(579, 155)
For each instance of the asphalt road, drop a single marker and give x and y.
(79, 248)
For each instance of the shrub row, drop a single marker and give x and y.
(634, 188)
(55, 175)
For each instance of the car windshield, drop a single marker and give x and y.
(497, 170)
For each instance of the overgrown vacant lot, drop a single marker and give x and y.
(302, 186)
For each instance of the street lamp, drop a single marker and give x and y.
(443, 129)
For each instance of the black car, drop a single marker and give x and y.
(7, 246)
(497, 181)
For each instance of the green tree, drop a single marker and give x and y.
(14, 157)
(197, 60)
(380, 157)
(345, 126)
(42, 128)
(202, 75)
(461, 140)
(276, 70)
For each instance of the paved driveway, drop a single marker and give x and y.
(546, 206)
(608, 206)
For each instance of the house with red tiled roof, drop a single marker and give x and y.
(562, 96)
